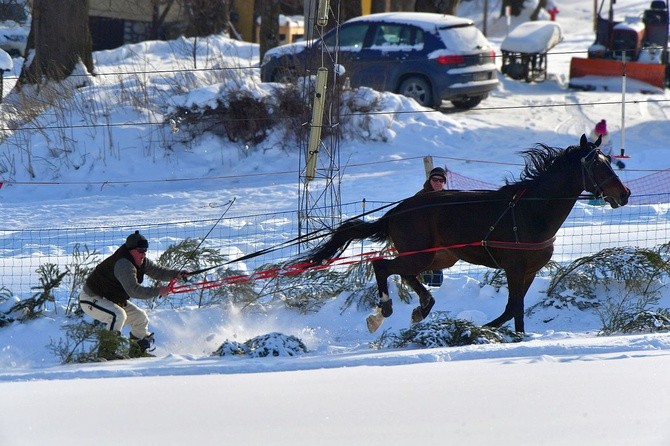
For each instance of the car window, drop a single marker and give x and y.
(350, 36)
(391, 36)
(463, 38)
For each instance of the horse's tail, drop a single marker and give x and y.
(355, 229)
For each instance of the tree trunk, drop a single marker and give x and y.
(269, 32)
(516, 6)
(403, 5)
(59, 39)
(346, 9)
(438, 6)
(350, 9)
(542, 4)
(207, 17)
(160, 8)
(380, 6)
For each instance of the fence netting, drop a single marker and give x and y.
(591, 227)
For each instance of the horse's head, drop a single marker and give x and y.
(599, 177)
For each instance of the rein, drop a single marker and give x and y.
(310, 236)
(299, 268)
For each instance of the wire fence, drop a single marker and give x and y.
(590, 228)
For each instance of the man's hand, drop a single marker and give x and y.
(164, 290)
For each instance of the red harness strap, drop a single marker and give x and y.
(535, 246)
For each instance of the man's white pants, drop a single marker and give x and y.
(114, 315)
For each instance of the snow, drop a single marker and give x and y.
(563, 385)
(533, 37)
(6, 62)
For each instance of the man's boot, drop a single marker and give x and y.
(140, 348)
(110, 345)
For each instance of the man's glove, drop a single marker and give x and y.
(619, 164)
(183, 274)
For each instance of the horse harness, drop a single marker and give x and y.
(516, 244)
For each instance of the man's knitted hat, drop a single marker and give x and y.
(438, 172)
(136, 240)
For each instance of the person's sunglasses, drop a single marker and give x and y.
(438, 179)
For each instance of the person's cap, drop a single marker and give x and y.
(438, 172)
(601, 128)
(136, 240)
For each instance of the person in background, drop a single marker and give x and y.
(106, 293)
(437, 179)
(600, 130)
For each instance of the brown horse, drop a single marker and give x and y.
(511, 228)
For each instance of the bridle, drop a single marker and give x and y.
(587, 173)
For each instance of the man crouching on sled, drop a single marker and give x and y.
(106, 293)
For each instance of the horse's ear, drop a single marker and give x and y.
(583, 141)
(599, 141)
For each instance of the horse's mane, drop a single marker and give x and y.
(538, 162)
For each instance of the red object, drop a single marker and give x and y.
(452, 59)
(652, 74)
(552, 13)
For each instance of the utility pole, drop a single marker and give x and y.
(320, 175)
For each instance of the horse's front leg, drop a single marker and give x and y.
(518, 287)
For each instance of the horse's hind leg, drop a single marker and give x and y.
(407, 268)
(385, 306)
(426, 300)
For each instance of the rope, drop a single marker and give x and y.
(310, 236)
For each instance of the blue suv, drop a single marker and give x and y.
(428, 57)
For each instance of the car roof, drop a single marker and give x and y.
(425, 20)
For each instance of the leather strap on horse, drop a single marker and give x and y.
(510, 207)
(516, 244)
(524, 246)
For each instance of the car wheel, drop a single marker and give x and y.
(468, 103)
(418, 89)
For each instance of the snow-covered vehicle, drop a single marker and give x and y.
(524, 50)
(636, 47)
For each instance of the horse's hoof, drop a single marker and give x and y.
(425, 309)
(416, 315)
(386, 308)
(374, 321)
(420, 313)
